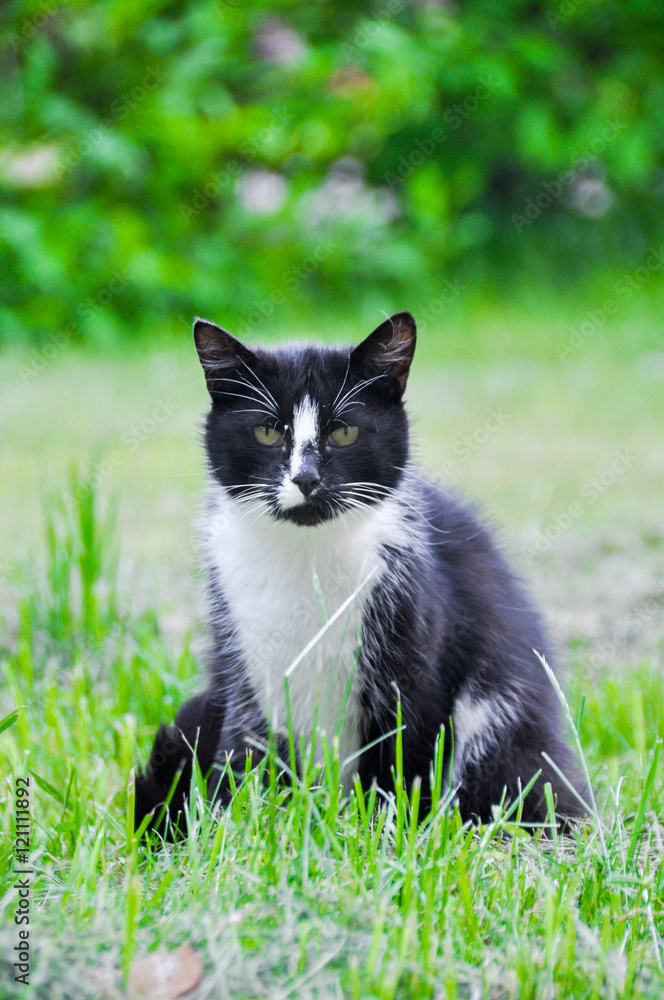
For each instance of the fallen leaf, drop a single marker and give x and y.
(164, 975)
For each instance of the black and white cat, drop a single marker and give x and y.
(341, 581)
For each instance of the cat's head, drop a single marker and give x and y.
(308, 433)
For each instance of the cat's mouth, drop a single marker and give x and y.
(313, 511)
(319, 508)
(310, 511)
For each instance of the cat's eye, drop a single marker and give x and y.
(269, 436)
(344, 436)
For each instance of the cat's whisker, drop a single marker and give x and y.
(268, 394)
(248, 495)
(256, 409)
(260, 394)
(340, 510)
(352, 502)
(345, 401)
(250, 503)
(364, 492)
(253, 490)
(349, 406)
(263, 511)
(239, 486)
(359, 503)
(368, 495)
(336, 400)
(251, 399)
(244, 384)
(359, 386)
(409, 471)
(376, 486)
(258, 506)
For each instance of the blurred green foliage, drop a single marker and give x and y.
(161, 158)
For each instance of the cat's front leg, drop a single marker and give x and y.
(196, 730)
(244, 742)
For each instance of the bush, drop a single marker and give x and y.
(161, 159)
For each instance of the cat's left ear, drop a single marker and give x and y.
(219, 353)
(388, 351)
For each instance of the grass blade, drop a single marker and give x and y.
(582, 757)
(9, 720)
(647, 789)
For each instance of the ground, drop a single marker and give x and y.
(521, 438)
(308, 897)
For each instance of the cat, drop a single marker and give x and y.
(318, 527)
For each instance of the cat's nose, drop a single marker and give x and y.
(307, 480)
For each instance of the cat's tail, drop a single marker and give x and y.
(197, 727)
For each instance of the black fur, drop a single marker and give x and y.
(479, 631)
(197, 726)
(445, 625)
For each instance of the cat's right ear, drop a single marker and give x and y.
(220, 353)
(388, 352)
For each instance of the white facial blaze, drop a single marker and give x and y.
(305, 434)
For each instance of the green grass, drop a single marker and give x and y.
(294, 892)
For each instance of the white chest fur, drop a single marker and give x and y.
(282, 583)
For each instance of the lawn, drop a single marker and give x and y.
(295, 892)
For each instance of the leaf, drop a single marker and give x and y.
(164, 975)
(48, 788)
(9, 720)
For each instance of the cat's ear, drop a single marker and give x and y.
(220, 353)
(388, 351)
